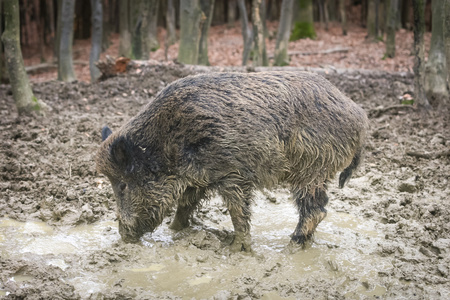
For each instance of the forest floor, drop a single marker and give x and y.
(386, 236)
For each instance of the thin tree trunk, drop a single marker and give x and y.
(246, 32)
(391, 28)
(207, 7)
(419, 29)
(124, 28)
(25, 101)
(50, 9)
(170, 28)
(447, 37)
(284, 31)
(259, 53)
(343, 14)
(372, 25)
(3, 71)
(40, 29)
(96, 39)
(65, 60)
(152, 39)
(435, 68)
(106, 27)
(231, 16)
(58, 29)
(190, 31)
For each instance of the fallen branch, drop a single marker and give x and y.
(50, 65)
(40, 67)
(376, 112)
(429, 155)
(328, 51)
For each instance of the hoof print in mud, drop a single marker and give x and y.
(232, 133)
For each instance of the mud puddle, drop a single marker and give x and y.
(196, 263)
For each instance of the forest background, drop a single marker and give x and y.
(65, 39)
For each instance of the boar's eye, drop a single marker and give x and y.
(122, 186)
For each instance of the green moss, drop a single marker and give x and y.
(303, 30)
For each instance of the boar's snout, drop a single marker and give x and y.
(129, 235)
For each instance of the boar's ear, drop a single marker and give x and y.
(120, 151)
(105, 132)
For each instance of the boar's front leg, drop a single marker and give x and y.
(311, 208)
(237, 198)
(186, 205)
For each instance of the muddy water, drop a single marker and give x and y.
(196, 263)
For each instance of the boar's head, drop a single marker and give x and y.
(142, 189)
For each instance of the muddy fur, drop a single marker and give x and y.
(232, 133)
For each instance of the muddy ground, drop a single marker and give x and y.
(387, 234)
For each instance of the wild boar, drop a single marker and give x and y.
(232, 133)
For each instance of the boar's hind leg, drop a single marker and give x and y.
(311, 208)
(186, 205)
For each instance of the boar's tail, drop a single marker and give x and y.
(347, 173)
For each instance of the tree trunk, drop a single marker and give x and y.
(124, 29)
(96, 39)
(246, 32)
(435, 68)
(231, 15)
(50, 16)
(372, 20)
(406, 11)
(140, 10)
(171, 37)
(39, 20)
(303, 21)
(207, 7)
(106, 27)
(3, 71)
(25, 101)
(65, 61)
(190, 31)
(391, 28)
(343, 14)
(58, 28)
(284, 31)
(447, 37)
(259, 51)
(419, 29)
(152, 39)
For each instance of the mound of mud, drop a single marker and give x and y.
(387, 234)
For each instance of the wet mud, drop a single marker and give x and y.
(386, 236)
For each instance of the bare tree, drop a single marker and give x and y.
(65, 60)
(435, 68)
(153, 43)
(246, 32)
(25, 101)
(124, 29)
(391, 28)
(207, 7)
(419, 29)
(190, 31)
(284, 31)
(447, 37)
(170, 26)
(97, 25)
(259, 52)
(343, 16)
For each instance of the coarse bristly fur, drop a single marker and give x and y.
(232, 133)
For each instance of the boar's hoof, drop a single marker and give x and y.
(176, 225)
(241, 242)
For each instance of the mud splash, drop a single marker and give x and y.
(194, 263)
